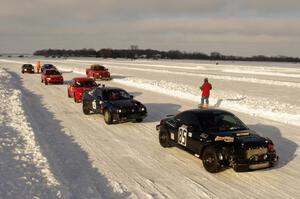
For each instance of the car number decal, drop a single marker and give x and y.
(94, 104)
(182, 135)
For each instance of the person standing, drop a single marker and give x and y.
(205, 88)
(38, 66)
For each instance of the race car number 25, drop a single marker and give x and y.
(182, 135)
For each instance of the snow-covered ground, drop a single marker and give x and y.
(73, 155)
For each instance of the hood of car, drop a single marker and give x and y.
(83, 89)
(125, 103)
(53, 76)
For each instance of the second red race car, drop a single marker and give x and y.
(52, 76)
(78, 86)
(98, 72)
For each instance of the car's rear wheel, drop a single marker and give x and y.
(23, 72)
(210, 160)
(164, 139)
(108, 117)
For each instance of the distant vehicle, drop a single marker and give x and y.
(79, 85)
(51, 76)
(27, 68)
(219, 138)
(47, 66)
(97, 71)
(114, 103)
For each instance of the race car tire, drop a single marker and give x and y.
(108, 117)
(69, 96)
(139, 119)
(75, 100)
(46, 82)
(210, 160)
(42, 81)
(85, 109)
(23, 72)
(164, 139)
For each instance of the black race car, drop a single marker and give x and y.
(47, 66)
(219, 138)
(114, 103)
(27, 68)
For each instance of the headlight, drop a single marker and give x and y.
(48, 78)
(119, 110)
(142, 108)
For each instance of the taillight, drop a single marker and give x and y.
(271, 148)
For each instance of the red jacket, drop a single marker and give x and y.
(206, 87)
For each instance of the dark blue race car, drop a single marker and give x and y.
(114, 103)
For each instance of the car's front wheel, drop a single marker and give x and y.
(210, 160)
(86, 110)
(108, 117)
(164, 139)
(46, 82)
(75, 99)
(139, 119)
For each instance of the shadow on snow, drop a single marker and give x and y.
(66, 158)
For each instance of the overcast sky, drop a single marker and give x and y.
(237, 27)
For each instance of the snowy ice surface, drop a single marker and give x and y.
(129, 156)
(24, 170)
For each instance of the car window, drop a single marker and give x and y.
(188, 118)
(85, 83)
(99, 68)
(220, 121)
(116, 94)
(52, 72)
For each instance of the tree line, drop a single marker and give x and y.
(156, 54)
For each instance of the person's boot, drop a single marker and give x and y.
(205, 106)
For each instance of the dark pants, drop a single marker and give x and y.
(205, 98)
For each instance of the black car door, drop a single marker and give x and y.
(189, 131)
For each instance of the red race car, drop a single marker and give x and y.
(52, 76)
(98, 72)
(78, 85)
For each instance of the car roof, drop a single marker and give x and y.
(83, 79)
(109, 88)
(207, 111)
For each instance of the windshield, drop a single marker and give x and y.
(48, 66)
(220, 122)
(52, 72)
(27, 66)
(114, 95)
(99, 68)
(85, 84)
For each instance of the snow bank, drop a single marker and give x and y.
(255, 106)
(24, 170)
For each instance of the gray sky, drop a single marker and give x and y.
(237, 27)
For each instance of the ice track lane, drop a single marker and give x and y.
(125, 160)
